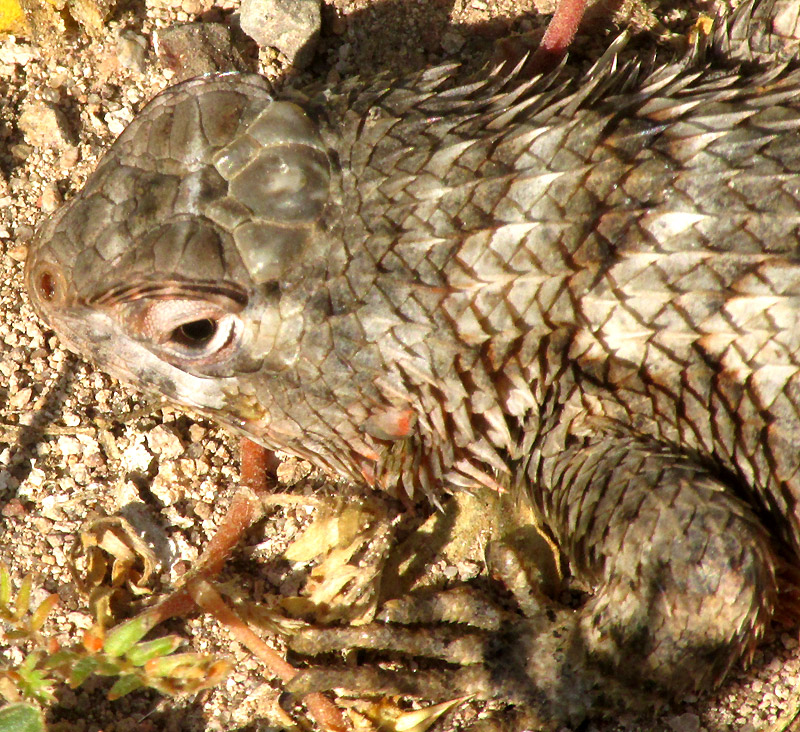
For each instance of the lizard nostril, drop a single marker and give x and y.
(47, 285)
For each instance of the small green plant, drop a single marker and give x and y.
(120, 652)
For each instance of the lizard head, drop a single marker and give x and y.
(280, 269)
(170, 268)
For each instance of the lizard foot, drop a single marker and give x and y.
(459, 642)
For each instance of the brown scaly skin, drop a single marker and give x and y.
(584, 289)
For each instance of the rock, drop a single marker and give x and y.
(47, 26)
(45, 125)
(452, 42)
(21, 151)
(16, 52)
(132, 50)
(291, 26)
(69, 158)
(163, 442)
(51, 198)
(118, 119)
(194, 49)
(91, 14)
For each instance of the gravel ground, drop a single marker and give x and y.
(74, 444)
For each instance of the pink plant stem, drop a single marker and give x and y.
(319, 706)
(246, 508)
(559, 34)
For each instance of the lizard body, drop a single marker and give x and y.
(588, 291)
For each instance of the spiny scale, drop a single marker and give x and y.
(588, 290)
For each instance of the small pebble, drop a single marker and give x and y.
(136, 457)
(70, 419)
(132, 50)
(203, 510)
(18, 53)
(69, 158)
(21, 151)
(45, 125)
(51, 198)
(192, 7)
(115, 125)
(13, 508)
(18, 253)
(452, 42)
(163, 442)
(69, 445)
(684, 723)
(20, 399)
(23, 233)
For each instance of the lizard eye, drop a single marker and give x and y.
(189, 333)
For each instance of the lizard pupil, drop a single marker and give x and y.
(196, 332)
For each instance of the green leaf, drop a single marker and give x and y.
(125, 685)
(17, 635)
(41, 612)
(5, 585)
(81, 671)
(23, 601)
(123, 637)
(21, 718)
(141, 653)
(180, 666)
(29, 662)
(108, 667)
(36, 685)
(64, 657)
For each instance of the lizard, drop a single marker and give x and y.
(583, 290)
